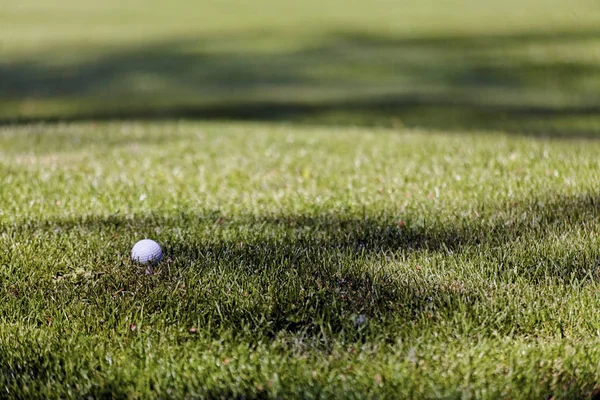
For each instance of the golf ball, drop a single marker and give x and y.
(146, 251)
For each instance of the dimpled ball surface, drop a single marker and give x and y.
(146, 251)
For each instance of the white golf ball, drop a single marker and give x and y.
(146, 251)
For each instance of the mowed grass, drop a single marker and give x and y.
(518, 66)
(356, 199)
(299, 262)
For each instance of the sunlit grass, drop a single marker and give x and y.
(394, 199)
(336, 262)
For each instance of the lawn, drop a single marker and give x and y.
(383, 200)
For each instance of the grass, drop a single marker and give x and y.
(382, 200)
(523, 68)
(288, 271)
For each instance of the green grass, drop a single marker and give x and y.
(279, 240)
(355, 199)
(526, 67)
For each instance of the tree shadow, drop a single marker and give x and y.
(496, 82)
(312, 274)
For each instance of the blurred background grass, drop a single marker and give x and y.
(517, 66)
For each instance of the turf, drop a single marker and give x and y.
(514, 66)
(300, 262)
(355, 200)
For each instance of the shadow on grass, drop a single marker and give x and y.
(313, 274)
(475, 83)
